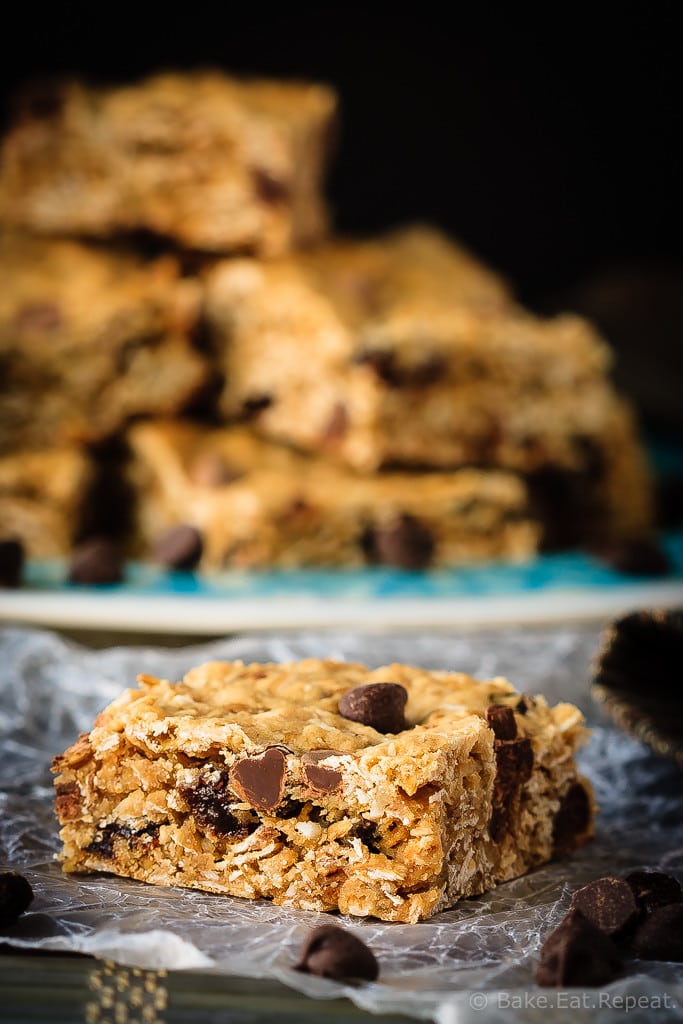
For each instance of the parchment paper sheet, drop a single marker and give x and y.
(471, 963)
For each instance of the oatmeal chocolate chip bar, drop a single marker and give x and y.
(44, 499)
(212, 162)
(90, 337)
(406, 351)
(325, 785)
(250, 503)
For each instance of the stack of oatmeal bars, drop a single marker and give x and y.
(192, 365)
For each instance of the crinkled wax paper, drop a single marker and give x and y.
(447, 969)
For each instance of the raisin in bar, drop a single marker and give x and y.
(212, 162)
(45, 498)
(257, 504)
(407, 351)
(325, 785)
(89, 338)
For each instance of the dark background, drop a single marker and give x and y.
(545, 142)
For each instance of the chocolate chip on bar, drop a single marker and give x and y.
(572, 818)
(405, 542)
(179, 548)
(318, 776)
(502, 721)
(16, 896)
(577, 953)
(260, 779)
(96, 561)
(333, 952)
(379, 705)
(11, 563)
(654, 889)
(209, 469)
(660, 935)
(609, 904)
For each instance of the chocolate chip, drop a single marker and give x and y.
(386, 366)
(16, 896)
(317, 776)
(11, 563)
(654, 889)
(97, 560)
(260, 779)
(577, 953)
(572, 818)
(211, 470)
(179, 548)
(103, 843)
(379, 705)
(635, 557)
(514, 765)
(333, 952)
(209, 801)
(269, 188)
(68, 802)
(524, 704)
(255, 404)
(608, 903)
(337, 425)
(43, 317)
(405, 542)
(502, 720)
(660, 935)
(515, 761)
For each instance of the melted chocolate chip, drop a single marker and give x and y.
(97, 560)
(502, 720)
(38, 317)
(103, 843)
(211, 470)
(515, 761)
(259, 779)
(386, 366)
(572, 818)
(577, 953)
(379, 705)
(660, 935)
(654, 889)
(16, 896)
(255, 404)
(514, 765)
(317, 776)
(209, 802)
(406, 542)
(337, 426)
(269, 188)
(11, 563)
(524, 704)
(609, 904)
(333, 952)
(179, 548)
